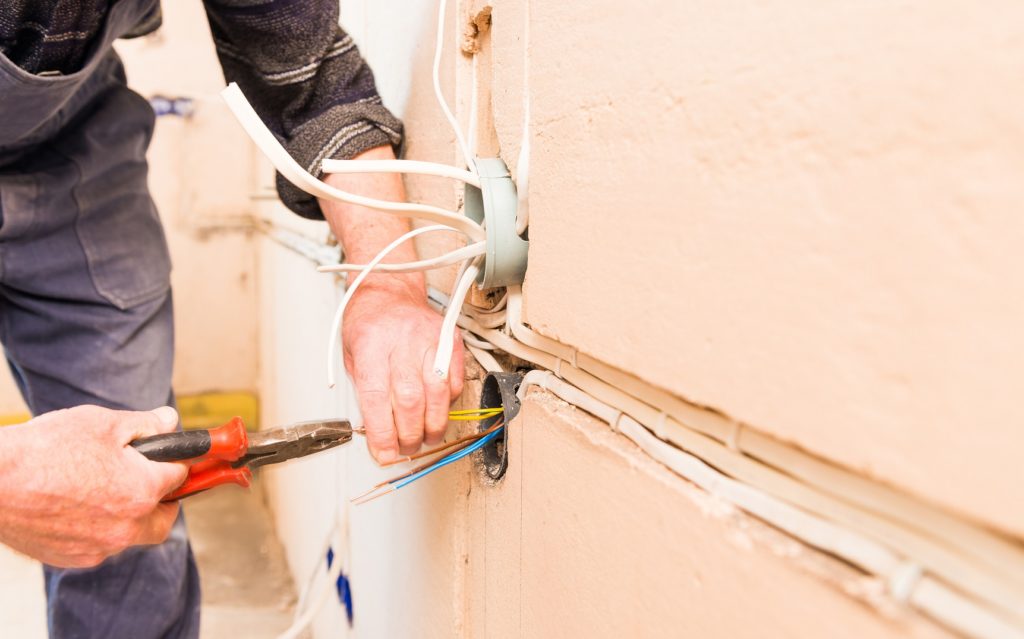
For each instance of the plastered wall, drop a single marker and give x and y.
(806, 215)
(799, 215)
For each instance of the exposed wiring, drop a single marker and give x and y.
(301, 178)
(523, 161)
(332, 344)
(446, 343)
(472, 340)
(752, 473)
(929, 595)
(667, 420)
(449, 258)
(474, 414)
(400, 166)
(404, 480)
(438, 49)
(485, 359)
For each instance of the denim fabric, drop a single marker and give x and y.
(86, 309)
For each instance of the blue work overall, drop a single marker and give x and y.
(85, 302)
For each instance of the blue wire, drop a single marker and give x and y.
(444, 461)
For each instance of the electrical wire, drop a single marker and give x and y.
(447, 259)
(332, 344)
(971, 578)
(446, 343)
(523, 161)
(403, 481)
(301, 178)
(400, 166)
(438, 49)
(862, 551)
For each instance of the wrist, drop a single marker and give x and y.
(406, 286)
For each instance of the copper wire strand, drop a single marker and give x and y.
(460, 443)
(427, 453)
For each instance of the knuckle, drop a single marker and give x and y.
(408, 397)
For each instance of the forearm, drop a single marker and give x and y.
(364, 232)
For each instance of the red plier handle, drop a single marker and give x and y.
(209, 453)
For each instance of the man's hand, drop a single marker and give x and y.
(389, 333)
(72, 492)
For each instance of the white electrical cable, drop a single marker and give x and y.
(298, 176)
(980, 620)
(400, 166)
(473, 108)
(438, 48)
(452, 257)
(332, 345)
(485, 359)
(523, 162)
(476, 342)
(930, 596)
(445, 344)
(306, 618)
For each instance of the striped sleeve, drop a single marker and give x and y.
(305, 78)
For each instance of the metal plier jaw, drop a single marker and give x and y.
(227, 454)
(298, 440)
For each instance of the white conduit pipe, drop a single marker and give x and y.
(400, 166)
(298, 176)
(990, 581)
(951, 567)
(928, 595)
(452, 257)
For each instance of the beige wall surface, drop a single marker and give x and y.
(805, 215)
(763, 209)
(586, 536)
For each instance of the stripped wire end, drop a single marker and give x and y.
(463, 447)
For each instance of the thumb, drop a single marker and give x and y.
(145, 423)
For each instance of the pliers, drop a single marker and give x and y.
(227, 454)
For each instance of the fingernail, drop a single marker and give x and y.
(167, 415)
(386, 456)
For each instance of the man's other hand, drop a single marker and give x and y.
(390, 337)
(73, 492)
(389, 333)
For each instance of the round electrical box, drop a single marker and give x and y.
(494, 205)
(499, 390)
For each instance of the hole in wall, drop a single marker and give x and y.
(499, 389)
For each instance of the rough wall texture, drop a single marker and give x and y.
(641, 158)
(805, 215)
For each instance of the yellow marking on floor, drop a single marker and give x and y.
(14, 418)
(205, 410)
(201, 410)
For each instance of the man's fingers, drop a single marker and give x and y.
(437, 392)
(408, 403)
(457, 371)
(135, 424)
(154, 527)
(169, 475)
(375, 405)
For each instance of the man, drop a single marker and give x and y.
(85, 301)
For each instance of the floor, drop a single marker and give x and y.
(247, 590)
